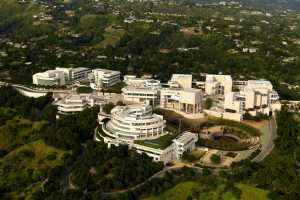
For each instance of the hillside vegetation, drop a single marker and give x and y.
(145, 38)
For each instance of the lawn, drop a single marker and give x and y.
(251, 193)
(112, 37)
(297, 117)
(185, 189)
(180, 191)
(159, 143)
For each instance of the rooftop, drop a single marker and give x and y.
(106, 71)
(159, 143)
(184, 137)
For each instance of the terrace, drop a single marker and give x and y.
(159, 143)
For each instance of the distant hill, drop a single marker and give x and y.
(290, 4)
(286, 4)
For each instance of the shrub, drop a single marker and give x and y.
(84, 90)
(3, 153)
(206, 172)
(51, 157)
(189, 157)
(208, 103)
(216, 159)
(258, 117)
(108, 107)
(120, 103)
(26, 153)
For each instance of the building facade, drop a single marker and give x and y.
(142, 91)
(49, 78)
(218, 84)
(73, 103)
(134, 122)
(104, 78)
(256, 96)
(79, 73)
(60, 76)
(188, 101)
(181, 80)
(186, 142)
(140, 95)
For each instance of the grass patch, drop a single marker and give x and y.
(252, 193)
(38, 160)
(196, 125)
(224, 143)
(159, 143)
(28, 165)
(182, 190)
(297, 117)
(112, 37)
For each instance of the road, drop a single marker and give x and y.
(267, 149)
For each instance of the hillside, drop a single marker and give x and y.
(157, 39)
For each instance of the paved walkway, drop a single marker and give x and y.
(268, 143)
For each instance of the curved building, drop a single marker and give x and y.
(135, 122)
(73, 103)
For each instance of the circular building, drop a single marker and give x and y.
(135, 122)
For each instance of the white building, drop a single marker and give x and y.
(188, 101)
(60, 76)
(104, 78)
(218, 84)
(256, 96)
(74, 74)
(73, 103)
(131, 80)
(49, 78)
(137, 126)
(140, 90)
(181, 80)
(79, 73)
(186, 142)
(140, 95)
(134, 122)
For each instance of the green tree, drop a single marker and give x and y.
(108, 107)
(216, 159)
(208, 103)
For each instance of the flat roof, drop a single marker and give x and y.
(182, 75)
(80, 69)
(259, 83)
(185, 136)
(106, 70)
(191, 90)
